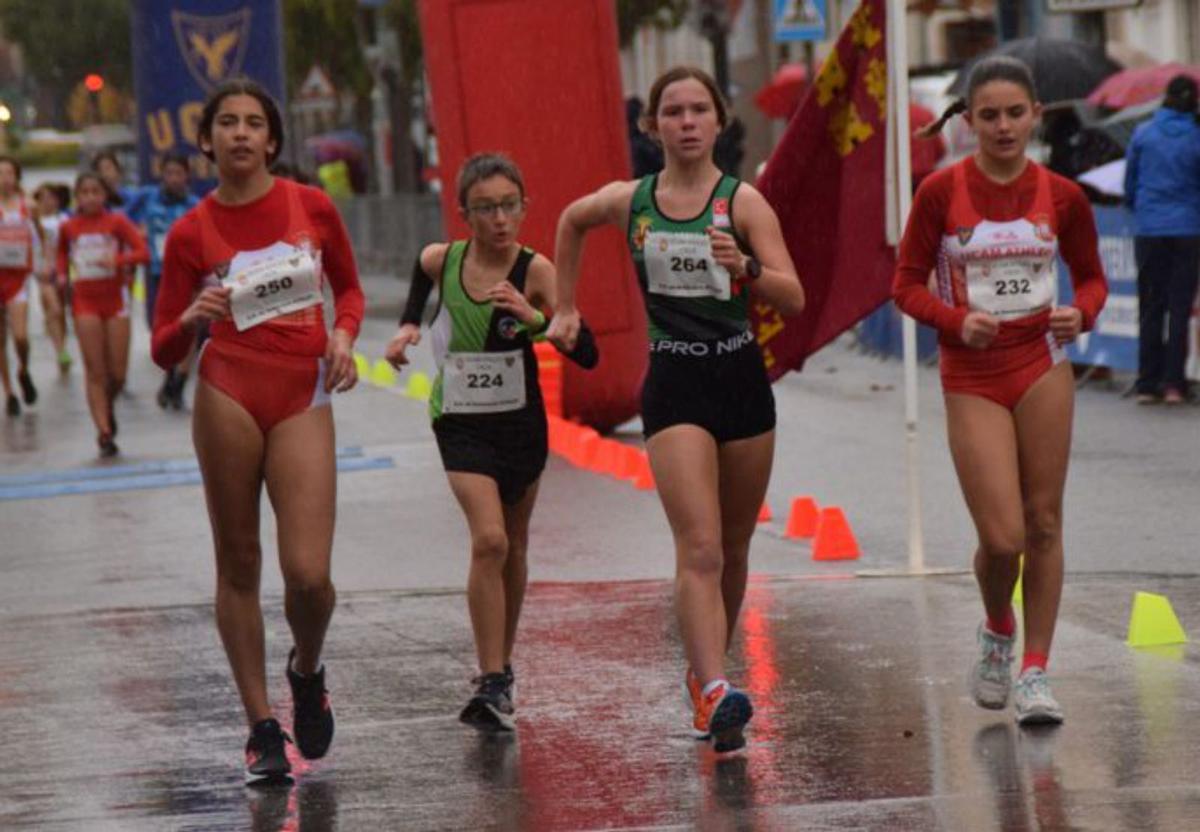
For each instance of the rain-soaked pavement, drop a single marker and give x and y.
(118, 711)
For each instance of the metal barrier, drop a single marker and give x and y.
(388, 232)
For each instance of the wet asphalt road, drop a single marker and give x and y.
(120, 714)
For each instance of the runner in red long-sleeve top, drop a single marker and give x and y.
(250, 263)
(992, 228)
(95, 247)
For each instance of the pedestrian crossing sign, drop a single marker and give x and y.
(800, 19)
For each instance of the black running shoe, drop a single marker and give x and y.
(176, 393)
(312, 715)
(511, 690)
(490, 709)
(266, 754)
(28, 391)
(163, 396)
(12, 405)
(108, 448)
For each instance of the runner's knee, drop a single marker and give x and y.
(489, 546)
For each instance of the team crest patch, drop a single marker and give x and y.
(642, 228)
(1041, 227)
(507, 327)
(964, 234)
(213, 46)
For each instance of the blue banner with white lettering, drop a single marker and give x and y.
(182, 51)
(1114, 340)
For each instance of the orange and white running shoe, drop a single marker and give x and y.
(692, 692)
(723, 713)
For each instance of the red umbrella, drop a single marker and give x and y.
(1137, 86)
(780, 96)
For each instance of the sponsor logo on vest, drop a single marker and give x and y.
(643, 225)
(703, 349)
(1041, 227)
(507, 328)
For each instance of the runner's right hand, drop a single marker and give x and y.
(564, 329)
(408, 334)
(979, 329)
(212, 304)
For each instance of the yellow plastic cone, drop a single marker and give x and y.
(382, 373)
(1152, 622)
(362, 365)
(139, 290)
(419, 386)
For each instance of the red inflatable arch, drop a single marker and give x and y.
(539, 80)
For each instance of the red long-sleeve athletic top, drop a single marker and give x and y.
(189, 264)
(85, 241)
(923, 240)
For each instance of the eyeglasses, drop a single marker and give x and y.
(510, 207)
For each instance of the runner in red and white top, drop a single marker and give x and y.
(251, 262)
(992, 227)
(50, 214)
(20, 251)
(96, 247)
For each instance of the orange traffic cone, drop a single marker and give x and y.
(631, 463)
(589, 449)
(834, 540)
(802, 520)
(608, 458)
(645, 477)
(764, 513)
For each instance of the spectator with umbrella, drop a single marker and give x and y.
(1162, 187)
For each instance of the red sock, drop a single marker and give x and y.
(1037, 660)
(1005, 627)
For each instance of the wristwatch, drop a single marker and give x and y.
(753, 268)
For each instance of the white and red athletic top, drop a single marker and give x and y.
(994, 247)
(94, 252)
(20, 243)
(212, 239)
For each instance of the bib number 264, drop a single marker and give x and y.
(689, 264)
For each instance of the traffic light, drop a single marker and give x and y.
(94, 82)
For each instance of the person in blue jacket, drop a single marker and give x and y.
(160, 210)
(1162, 187)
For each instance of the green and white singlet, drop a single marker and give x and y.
(486, 403)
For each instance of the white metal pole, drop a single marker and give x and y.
(897, 32)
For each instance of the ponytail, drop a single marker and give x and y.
(934, 127)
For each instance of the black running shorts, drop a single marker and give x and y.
(720, 386)
(510, 448)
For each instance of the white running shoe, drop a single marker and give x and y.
(991, 676)
(1035, 703)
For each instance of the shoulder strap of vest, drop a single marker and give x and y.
(520, 269)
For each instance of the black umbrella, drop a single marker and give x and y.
(1062, 69)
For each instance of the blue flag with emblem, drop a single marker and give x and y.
(182, 51)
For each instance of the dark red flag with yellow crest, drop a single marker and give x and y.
(826, 181)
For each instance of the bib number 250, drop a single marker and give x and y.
(271, 287)
(484, 381)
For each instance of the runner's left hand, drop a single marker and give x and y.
(1066, 322)
(505, 296)
(726, 252)
(340, 371)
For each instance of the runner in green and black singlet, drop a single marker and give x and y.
(707, 408)
(486, 405)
